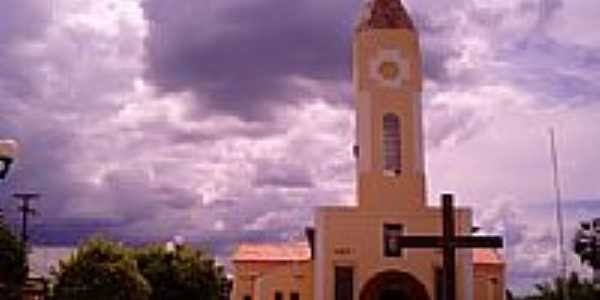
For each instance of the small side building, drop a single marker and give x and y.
(286, 272)
(273, 271)
(488, 272)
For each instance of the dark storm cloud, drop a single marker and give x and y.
(43, 166)
(434, 37)
(242, 60)
(247, 66)
(73, 231)
(124, 199)
(282, 175)
(55, 104)
(566, 84)
(21, 20)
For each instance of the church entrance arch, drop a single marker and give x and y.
(393, 285)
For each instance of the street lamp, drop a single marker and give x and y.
(8, 153)
(179, 241)
(173, 247)
(170, 248)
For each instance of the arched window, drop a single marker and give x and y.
(391, 144)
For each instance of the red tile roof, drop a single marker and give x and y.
(487, 257)
(385, 14)
(301, 252)
(272, 252)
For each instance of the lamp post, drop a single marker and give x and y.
(179, 241)
(170, 248)
(8, 153)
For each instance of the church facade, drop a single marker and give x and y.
(353, 252)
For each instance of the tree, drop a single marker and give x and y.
(509, 295)
(186, 273)
(579, 289)
(101, 270)
(13, 270)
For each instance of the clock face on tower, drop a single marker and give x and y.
(389, 68)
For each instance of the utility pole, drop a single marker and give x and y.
(559, 216)
(26, 210)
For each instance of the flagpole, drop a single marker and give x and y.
(559, 216)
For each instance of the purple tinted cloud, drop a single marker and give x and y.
(213, 144)
(243, 60)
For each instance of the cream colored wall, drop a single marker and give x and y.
(354, 236)
(348, 236)
(374, 99)
(262, 279)
(489, 282)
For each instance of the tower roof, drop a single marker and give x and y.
(384, 14)
(487, 257)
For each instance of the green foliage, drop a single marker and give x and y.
(579, 289)
(105, 270)
(509, 295)
(100, 270)
(13, 271)
(186, 274)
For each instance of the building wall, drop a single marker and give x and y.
(489, 282)
(353, 236)
(348, 236)
(376, 98)
(262, 279)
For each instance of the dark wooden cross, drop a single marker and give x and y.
(449, 242)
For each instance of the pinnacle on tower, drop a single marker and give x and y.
(384, 14)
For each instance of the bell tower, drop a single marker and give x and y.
(388, 84)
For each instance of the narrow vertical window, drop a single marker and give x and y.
(391, 144)
(295, 296)
(439, 283)
(344, 283)
(392, 233)
(278, 295)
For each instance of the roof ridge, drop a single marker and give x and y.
(384, 14)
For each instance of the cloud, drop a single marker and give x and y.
(531, 248)
(281, 175)
(241, 58)
(22, 22)
(573, 24)
(248, 59)
(224, 120)
(75, 69)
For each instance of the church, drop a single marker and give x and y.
(355, 252)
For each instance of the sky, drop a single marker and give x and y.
(229, 121)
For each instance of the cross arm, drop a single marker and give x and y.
(459, 242)
(478, 242)
(420, 242)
